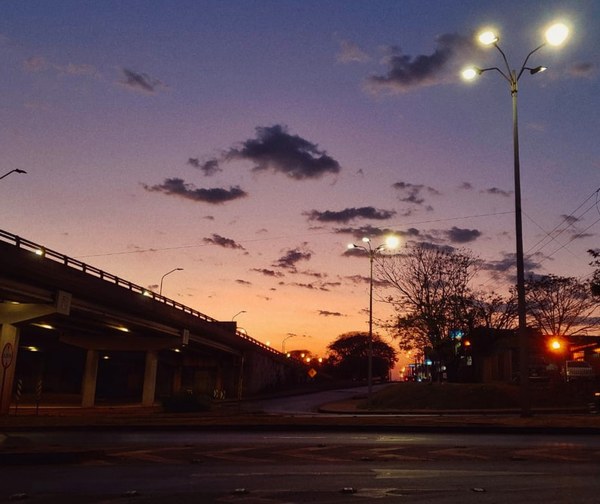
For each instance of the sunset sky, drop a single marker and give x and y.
(249, 141)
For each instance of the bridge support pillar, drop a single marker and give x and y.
(9, 344)
(149, 391)
(90, 376)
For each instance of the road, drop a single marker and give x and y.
(260, 467)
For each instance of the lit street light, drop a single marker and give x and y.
(16, 170)
(555, 36)
(163, 277)
(391, 242)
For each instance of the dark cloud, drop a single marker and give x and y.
(457, 235)
(291, 258)
(582, 69)
(467, 186)
(243, 282)
(413, 193)
(497, 192)
(406, 73)
(178, 187)
(209, 167)
(268, 272)
(374, 232)
(221, 241)
(327, 313)
(140, 82)
(569, 219)
(349, 214)
(508, 263)
(274, 148)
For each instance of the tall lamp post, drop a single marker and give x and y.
(391, 242)
(16, 170)
(555, 35)
(163, 277)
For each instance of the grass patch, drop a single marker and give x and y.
(461, 396)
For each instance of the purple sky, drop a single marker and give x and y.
(248, 142)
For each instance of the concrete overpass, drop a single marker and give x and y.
(71, 331)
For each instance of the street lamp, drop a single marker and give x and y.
(163, 277)
(391, 242)
(16, 170)
(288, 337)
(238, 313)
(555, 35)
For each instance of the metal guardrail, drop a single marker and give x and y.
(50, 254)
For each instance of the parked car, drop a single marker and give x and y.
(578, 370)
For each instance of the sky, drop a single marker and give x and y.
(249, 141)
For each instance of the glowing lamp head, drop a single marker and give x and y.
(392, 242)
(557, 34)
(469, 73)
(488, 37)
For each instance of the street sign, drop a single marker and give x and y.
(7, 355)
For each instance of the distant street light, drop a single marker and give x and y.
(555, 36)
(288, 337)
(16, 170)
(391, 242)
(163, 277)
(238, 313)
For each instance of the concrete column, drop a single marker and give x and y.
(177, 380)
(90, 376)
(149, 392)
(9, 344)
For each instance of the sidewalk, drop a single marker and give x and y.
(338, 415)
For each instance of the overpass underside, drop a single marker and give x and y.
(70, 333)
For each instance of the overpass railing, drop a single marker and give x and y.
(47, 253)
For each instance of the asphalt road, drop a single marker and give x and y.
(179, 465)
(290, 467)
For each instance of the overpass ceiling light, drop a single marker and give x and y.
(120, 328)
(31, 348)
(44, 326)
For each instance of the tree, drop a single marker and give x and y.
(494, 311)
(560, 305)
(349, 354)
(431, 293)
(595, 282)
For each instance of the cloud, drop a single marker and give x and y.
(268, 272)
(351, 53)
(497, 192)
(178, 187)
(373, 232)
(406, 73)
(209, 167)
(327, 313)
(508, 262)
(140, 82)
(274, 148)
(412, 193)
(35, 64)
(243, 282)
(457, 235)
(586, 70)
(221, 241)
(466, 186)
(349, 214)
(291, 258)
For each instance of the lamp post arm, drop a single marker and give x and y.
(523, 67)
(504, 58)
(499, 71)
